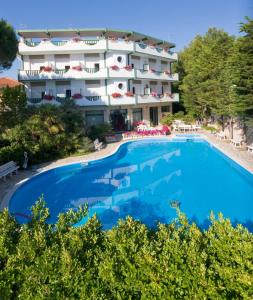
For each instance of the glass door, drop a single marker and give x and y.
(153, 113)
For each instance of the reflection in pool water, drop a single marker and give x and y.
(142, 180)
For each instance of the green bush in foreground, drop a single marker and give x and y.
(130, 261)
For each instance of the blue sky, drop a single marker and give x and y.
(178, 21)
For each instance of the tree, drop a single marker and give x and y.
(237, 79)
(8, 45)
(12, 106)
(203, 62)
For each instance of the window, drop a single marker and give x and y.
(96, 66)
(137, 114)
(165, 109)
(119, 59)
(94, 117)
(120, 86)
(146, 67)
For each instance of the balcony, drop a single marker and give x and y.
(62, 47)
(121, 73)
(85, 73)
(121, 45)
(27, 47)
(146, 99)
(123, 100)
(156, 75)
(156, 51)
(84, 101)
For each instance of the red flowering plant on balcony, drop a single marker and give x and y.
(169, 95)
(116, 95)
(167, 72)
(77, 68)
(46, 69)
(77, 96)
(114, 68)
(128, 67)
(45, 40)
(129, 94)
(154, 94)
(152, 70)
(76, 39)
(48, 97)
(112, 38)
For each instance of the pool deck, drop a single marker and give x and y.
(7, 188)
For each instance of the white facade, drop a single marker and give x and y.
(115, 76)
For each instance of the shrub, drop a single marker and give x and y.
(99, 131)
(130, 261)
(167, 119)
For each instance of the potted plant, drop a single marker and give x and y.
(116, 95)
(48, 97)
(167, 72)
(47, 69)
(77, 96)
(152, 70)
(77, 68)
(128, 67)
(154, 94)
(129, 94)
(76, 39)
(114, 68)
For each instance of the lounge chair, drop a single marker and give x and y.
(8, 169)
(221, 135)
(236, 142)
(250, 148)
(98, 145)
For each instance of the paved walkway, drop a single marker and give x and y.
(241, 156)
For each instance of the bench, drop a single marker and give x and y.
(8, 169)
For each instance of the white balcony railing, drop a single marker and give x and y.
(92, 73)
(157, 99)
(96, 100)
(156, 75)
(121, 73)
(57, 47)
(124, 100)
(85, 73)
(95, 45)
(156, 51)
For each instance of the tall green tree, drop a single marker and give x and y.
(237, 79)
(203, 62)
(12, 106)
(8, 45)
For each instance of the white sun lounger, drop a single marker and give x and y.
(236, 142)
(250, 148)
(221, 135)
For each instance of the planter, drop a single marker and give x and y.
(77, 96)
(128, 68)
(129, 94)
(116, 95)
(77, 68)
(46, 69)
(48, 97)
(114, 68)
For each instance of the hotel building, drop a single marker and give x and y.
(113, 76)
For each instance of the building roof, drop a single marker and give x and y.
(91, 32)
(10, 82)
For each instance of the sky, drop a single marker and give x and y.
(178, 21)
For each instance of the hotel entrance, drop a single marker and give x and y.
(153, 114)
(118, 118)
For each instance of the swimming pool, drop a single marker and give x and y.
(145, 179)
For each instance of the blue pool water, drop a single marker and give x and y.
(141, 179)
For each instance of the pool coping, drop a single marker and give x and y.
(6, 199)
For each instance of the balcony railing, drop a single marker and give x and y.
(97, 73)
(109, 100)
(94, 44)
